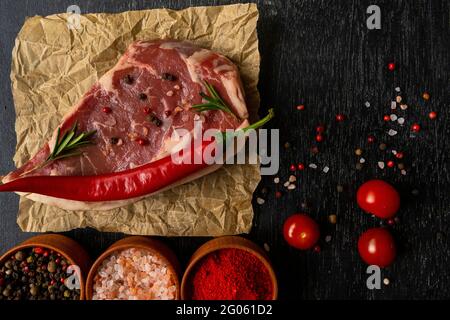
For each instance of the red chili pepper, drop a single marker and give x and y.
(127, 184)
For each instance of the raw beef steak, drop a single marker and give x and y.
(136, 106)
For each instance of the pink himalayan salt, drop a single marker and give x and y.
(133, 274)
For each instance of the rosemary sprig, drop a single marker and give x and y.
(66, 145)
(214, 101)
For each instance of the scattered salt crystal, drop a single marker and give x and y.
(392, 132)
(291, 186)
(313, 166)
(403, 106)
(397, 89)
(326, 169)
(393, 105)
(292, 178)
(393, 117)
(381, 164)
(260, 200)
(367, 104)
(362, 160)
(401, 121)
(266, 247)
(328, 238)
(276, 180)
(169, 93)
(394, 152)
(286, 184)
(386, 281)
(403, 172)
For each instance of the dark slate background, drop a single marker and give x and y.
(319, 53)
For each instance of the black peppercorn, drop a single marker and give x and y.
(114, 140)
(142, 96)
(168, 77)
(128, 79)
(155, 120)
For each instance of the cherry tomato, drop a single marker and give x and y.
(377, 246)
(300, 231)
(379, 198)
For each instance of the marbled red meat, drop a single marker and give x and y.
(158, 80)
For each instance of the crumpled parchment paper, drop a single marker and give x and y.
(53, 66)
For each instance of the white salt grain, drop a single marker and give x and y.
(393, 117)
(266, 247)
(362, 160)
(392, 132)
(326, 169)
(328, 238)
(291, 186)
(397, 89)
(403, 172)
(286, 184)
(401, 121)
(393, 105)
(403, 106)
(381, 164)
(367, 104)
(276, 180)
(260, 200)
(313, 166)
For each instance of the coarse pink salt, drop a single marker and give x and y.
(134, 274)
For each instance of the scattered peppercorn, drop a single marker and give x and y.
(391, 66)
(300, 107)
(106, 110)
(167, 113)
(317, 248)
(399, 155)
(128, 79)
(426, 96)
(319, 138)
(339, 188)
(292, 167)
(320, 129)
(386, 118)
(359, 166)
(155, 120)
(287, 145)
(432, 115)
(382, 146)
(332, 218)
(301, 166)
(114, 140)
(370, 139)
(390, 164)
(141, 141)
(168, 77)
(278, 194)
(358, 152)
(340, 117)
(142, 96)
(401, 166)
(415, 127)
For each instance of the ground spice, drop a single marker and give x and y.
(231, 274)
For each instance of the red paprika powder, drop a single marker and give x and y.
(231, 274)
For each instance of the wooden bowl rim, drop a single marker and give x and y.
(123, 246)
(236, 243)
(33, 244)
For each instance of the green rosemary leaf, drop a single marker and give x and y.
(214, 101)
(65, 141)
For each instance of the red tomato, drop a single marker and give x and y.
(300, 231)
(377, 246)
(379, 198)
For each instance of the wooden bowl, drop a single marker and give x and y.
(139, 242)
(227, 242)
(68, 248)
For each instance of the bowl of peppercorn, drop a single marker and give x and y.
(229, 268)
(44, 267)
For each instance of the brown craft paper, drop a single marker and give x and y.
(53, 66)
